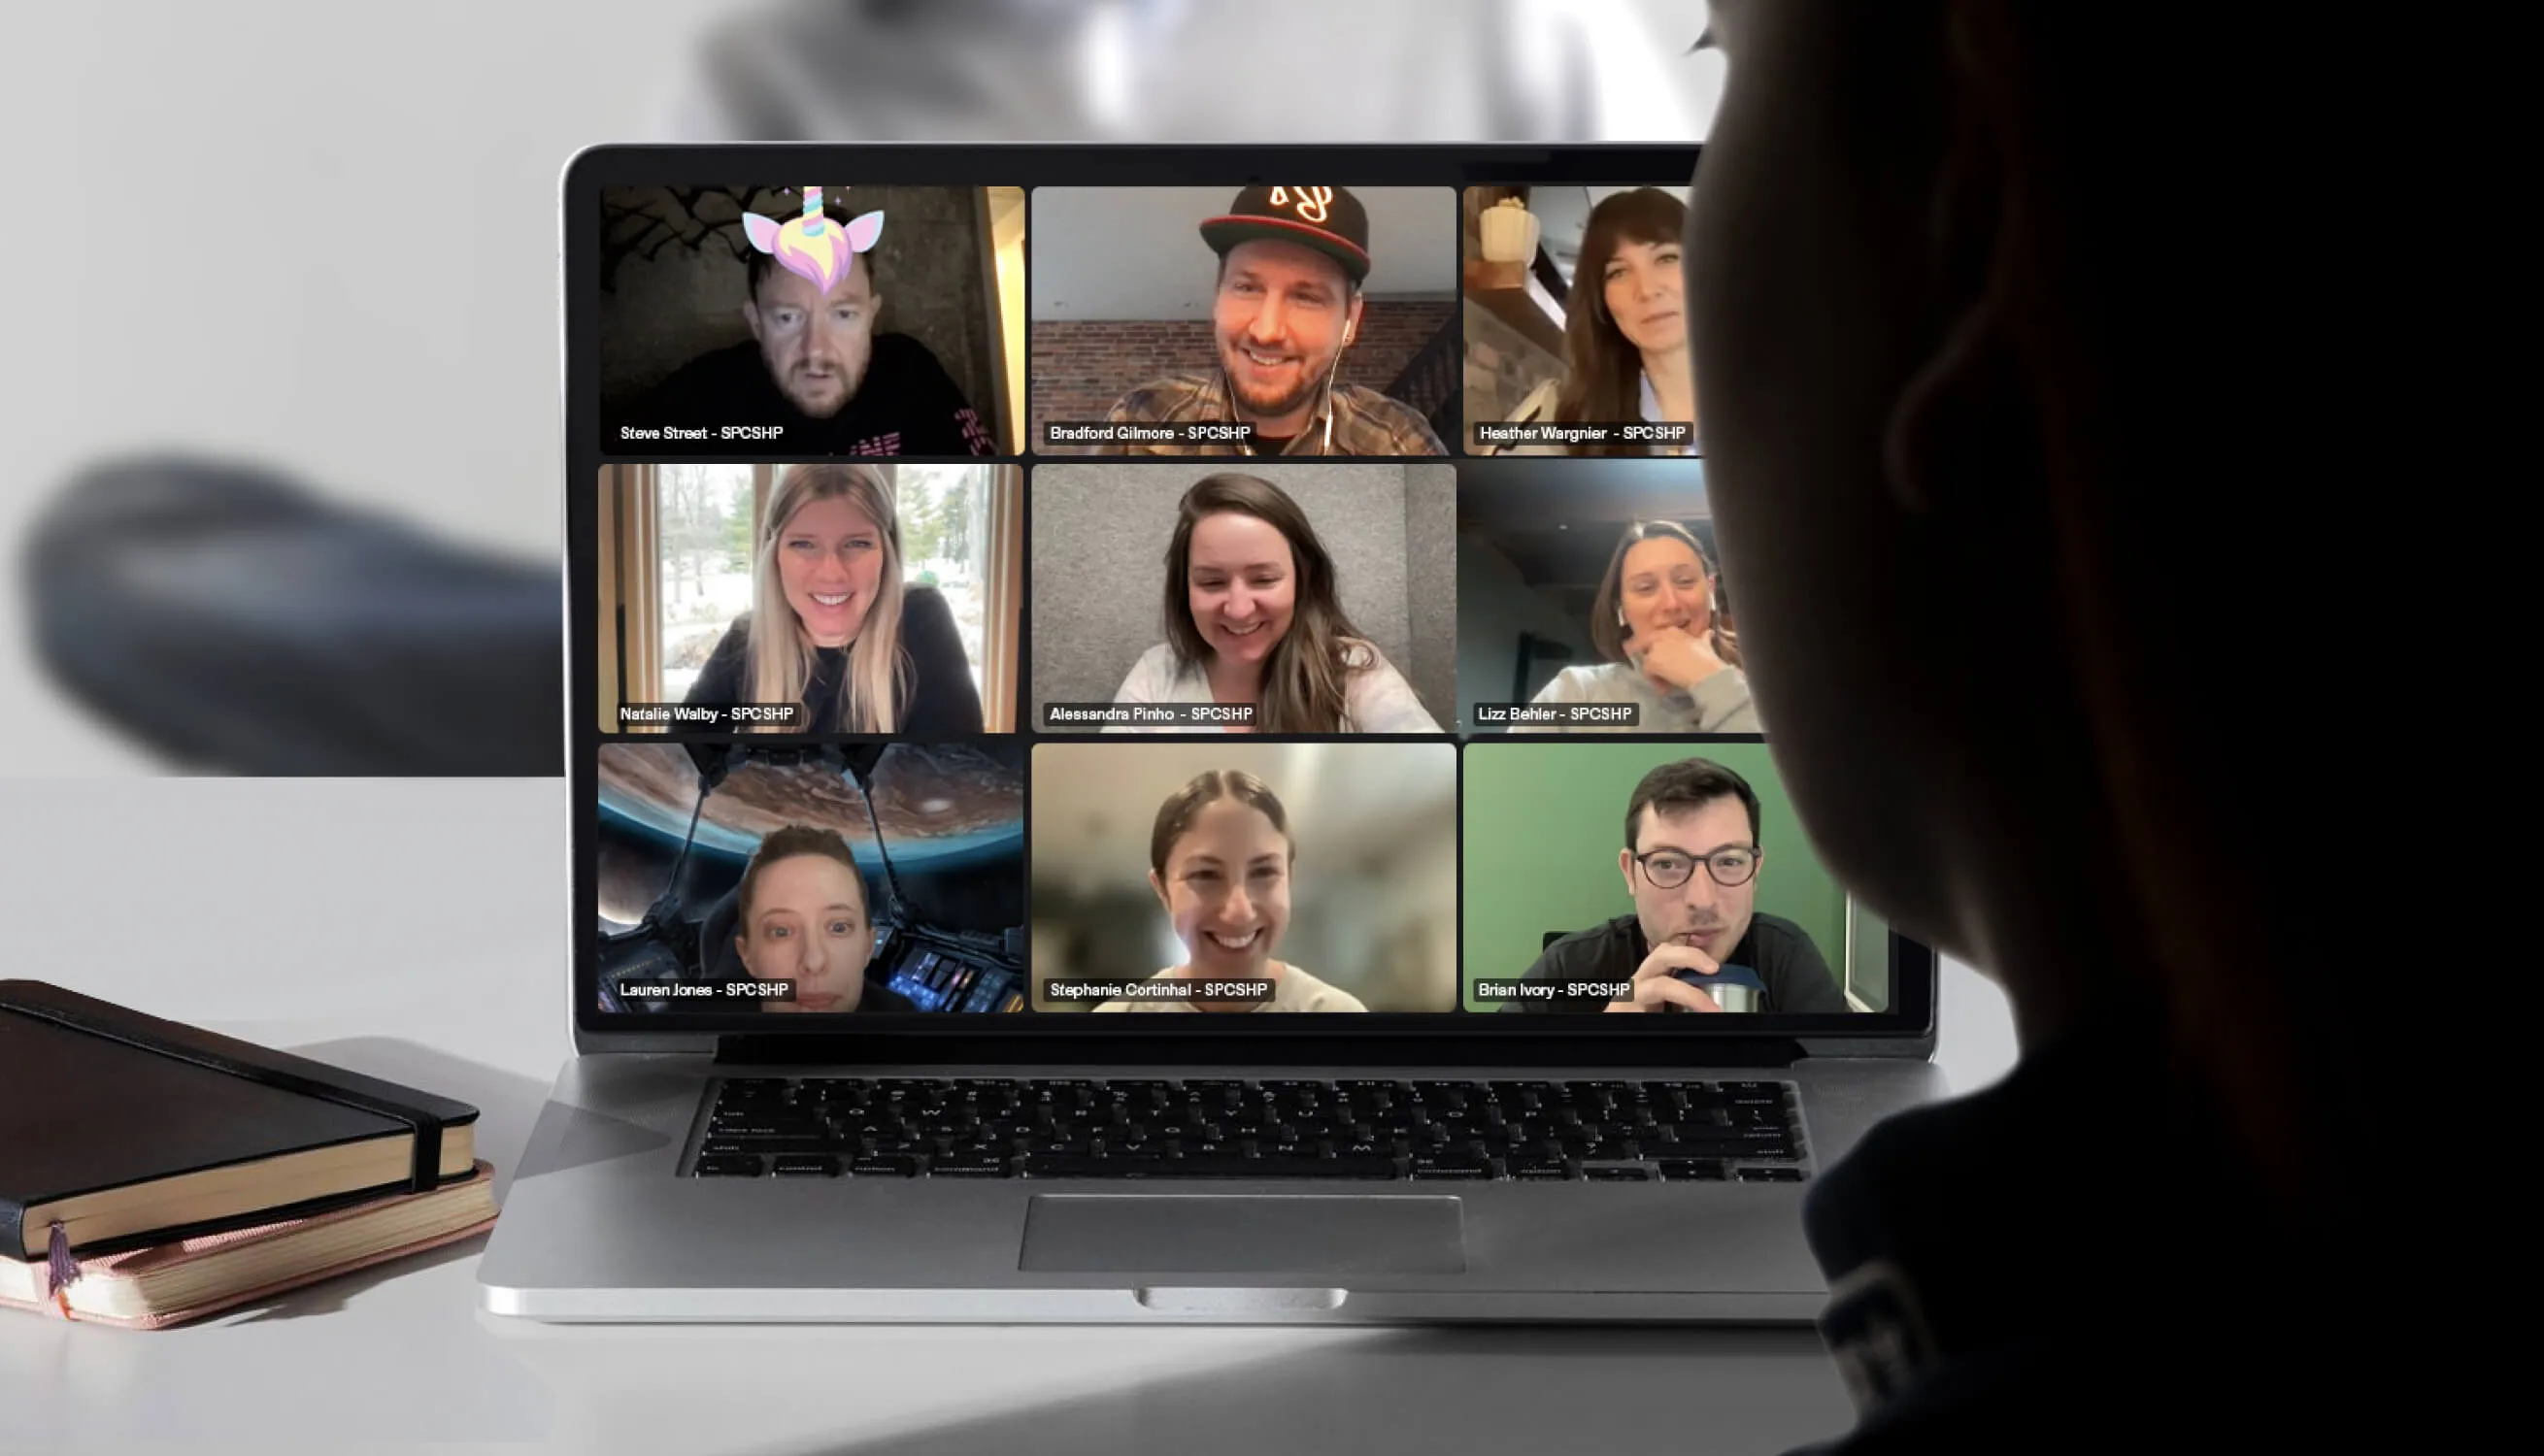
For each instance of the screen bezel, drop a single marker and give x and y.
(1907, 1027)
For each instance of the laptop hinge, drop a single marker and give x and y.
(1125, 1056)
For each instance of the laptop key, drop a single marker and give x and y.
(727, 1125)
(1768, 1175)
(1459, 1168)
(966, 1165)
(1692, 1170)
(1222, 1165)
(800, 1165)
(772, 1146)
(729, 1165)
(1756, 1151)
(884, 1166)
(1616, 1173)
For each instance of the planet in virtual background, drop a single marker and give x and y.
(943, 806)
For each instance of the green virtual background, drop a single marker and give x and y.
(1546, 818)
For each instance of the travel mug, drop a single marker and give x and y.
(1734, 987)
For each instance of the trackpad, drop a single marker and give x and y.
(1201, 1233)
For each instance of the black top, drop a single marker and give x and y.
(877, 998)
(1780, 952)
(940, 697)
(2075, 1259)
(906, 405)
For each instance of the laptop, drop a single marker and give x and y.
(1149, 743)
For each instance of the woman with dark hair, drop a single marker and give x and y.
(800, 916)
(1220, 857)
(1663, 644)
(1253, 615)
(2067, 700)
(863, 652)
(1624, 328)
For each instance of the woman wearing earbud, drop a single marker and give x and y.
(1253, 616)
(1666, 649)
(862, 652)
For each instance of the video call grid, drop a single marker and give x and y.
(1031, 734)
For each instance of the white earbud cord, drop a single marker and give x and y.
(1227, 393)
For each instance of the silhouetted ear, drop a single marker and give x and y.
(1963, 423)
(1964, 416)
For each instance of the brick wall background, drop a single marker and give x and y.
(1079, 369)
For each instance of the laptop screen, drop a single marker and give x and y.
(1054, 582)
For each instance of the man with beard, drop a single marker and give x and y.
(1691, 862)
(816, 366)
(1291, 264)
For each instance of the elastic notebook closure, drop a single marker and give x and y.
(49, 1003)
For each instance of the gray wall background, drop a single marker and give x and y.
(1495, 606)
(1098, 566)
(932, 266)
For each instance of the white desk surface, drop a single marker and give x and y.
(413, 929)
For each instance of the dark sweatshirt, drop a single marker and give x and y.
(940, 698)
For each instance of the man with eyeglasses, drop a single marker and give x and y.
(1692, 861)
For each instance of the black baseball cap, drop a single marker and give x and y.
(1329, 219)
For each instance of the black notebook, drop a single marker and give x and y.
(127, 1129)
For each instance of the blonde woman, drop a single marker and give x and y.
(861, 651)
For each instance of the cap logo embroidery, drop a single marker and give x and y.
(1311, 201)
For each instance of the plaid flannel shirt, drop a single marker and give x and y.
(1366, 422)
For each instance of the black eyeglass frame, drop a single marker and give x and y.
(1643, 862)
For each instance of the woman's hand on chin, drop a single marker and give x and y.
(1673, 657)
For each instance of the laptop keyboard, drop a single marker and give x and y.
(1350, 1130)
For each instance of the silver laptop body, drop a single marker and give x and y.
(603, 1221)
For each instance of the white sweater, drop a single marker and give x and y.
(1377, 700)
